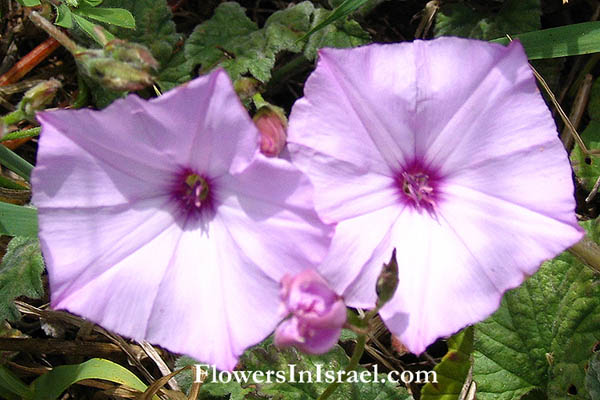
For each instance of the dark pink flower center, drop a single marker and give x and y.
(193, 194)
(418, 188)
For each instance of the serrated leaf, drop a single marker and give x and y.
(63, 16)
(587, 168)
(20, 274)
(177, 71)
(114, 16)
(343, 33)
(514, 16)
(543, 334)
(452, 371)
(341, 11)
(154, 26)
(592, 378)
(230, 39)
(284, 28)
(50, 385)
(268, 359)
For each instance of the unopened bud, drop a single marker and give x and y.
(246, 87)
(133, 54)
(316, 312)
(113, 74)
(387, 282)
(272, 124)
(38, 97)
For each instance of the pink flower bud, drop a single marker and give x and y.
(317, 313)
(272, 125)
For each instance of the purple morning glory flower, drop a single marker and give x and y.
(446, 151)
(161, 220)
(317, 313)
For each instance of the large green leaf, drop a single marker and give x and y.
(452, 371)
(481, 22)
(20, 275)
(11, 386)
(114, 16)
(543, 335)
(50, 385)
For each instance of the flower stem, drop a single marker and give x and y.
(588, 252)
(53, 31)
(14, 117)
(356, 355)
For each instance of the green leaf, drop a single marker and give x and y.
(177, 71)
(514, 16)
(13, 385)
(343, 10)
(284, 28)
(50, 385)
(341, 34)
(29, 3)
(63, 16)
(20, 275)
(113, 16)
(230, 39)
(25, 133)
(154, 26)
(18, 220)
(570, 40)
(88, 28)
(543, 334)
(587, 168)
(592, 378)
(15, 163)
(91, 3)
(452, 371)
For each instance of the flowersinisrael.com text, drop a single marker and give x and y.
(319, 375)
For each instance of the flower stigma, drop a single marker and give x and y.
(418, 189)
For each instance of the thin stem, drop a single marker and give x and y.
(359, 349)
(288, 70)
(53, 31)
(14, 117)
(588, 252)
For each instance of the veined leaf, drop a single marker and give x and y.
(114, 16)
(18, 220)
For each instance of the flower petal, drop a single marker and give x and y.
(269, 212)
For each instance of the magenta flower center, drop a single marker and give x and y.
(418, 188)
(194, 195)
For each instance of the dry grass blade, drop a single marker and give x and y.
(159, 383)
(160, 363)
(579, 106)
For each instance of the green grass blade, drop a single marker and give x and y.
(25, 133)
(18, 220)
(564, 41)
(10, 383)
(344, 9)
(50, 386)
(15, 163)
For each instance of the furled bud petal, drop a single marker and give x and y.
(387, 282)
(317, 313)
(115, 75)
(272, 124)
(36, 98)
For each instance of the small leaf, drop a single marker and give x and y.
(113, 16)
(91, 3)
(29, 3)
(452, 371)
(20, 274)
(63, 16)
(50, 385)
(18, 220)
(543, 334)
(88, 28)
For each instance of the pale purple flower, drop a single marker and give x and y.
(272, 125)
(316, 312)
(446, 151)
(160, 220)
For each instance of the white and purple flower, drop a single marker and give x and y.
(161, 220)
(446, 151)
